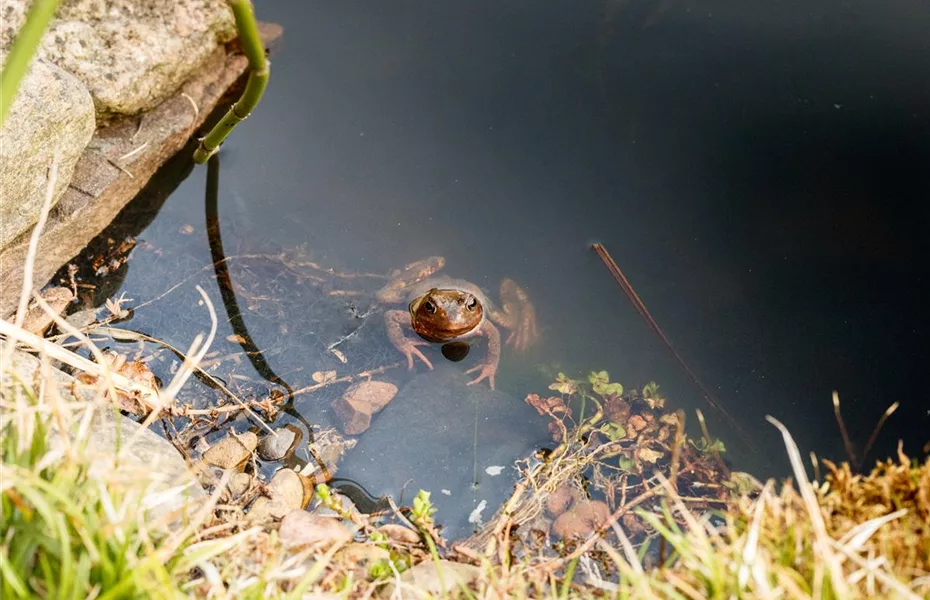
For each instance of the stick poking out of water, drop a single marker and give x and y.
(644, 313)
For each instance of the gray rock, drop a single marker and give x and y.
(53, 115)
(100, 189)
(131, 54)
(278, 447)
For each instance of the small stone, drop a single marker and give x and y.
(37, 320)
(581, 520)
(399, 533)
(232, 452)
(559, 500)
(360, 558)
(300, 529)
(280, 446)
(82, 318)
(425, 578)
(207, 475)
(265, 509)
(288, 487)
(239, 484)
(362, 400)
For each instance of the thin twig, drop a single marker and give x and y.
(644, 313)
(847, 443)
(195, 355)
(29, 265)
(116, 332)
(868, 446)
(348, 378)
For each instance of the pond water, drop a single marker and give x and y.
(758, 170)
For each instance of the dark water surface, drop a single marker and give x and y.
(759, 170)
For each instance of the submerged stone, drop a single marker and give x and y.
(281, 444)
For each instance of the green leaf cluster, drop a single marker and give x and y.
(600, 383)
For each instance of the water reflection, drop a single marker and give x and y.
(758, 171)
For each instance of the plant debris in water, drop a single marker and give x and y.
(622, 504)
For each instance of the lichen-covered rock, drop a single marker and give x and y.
(131, 54)
(52, 115)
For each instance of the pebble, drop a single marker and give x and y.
(280, 446)
(300, 529)
(231, 452)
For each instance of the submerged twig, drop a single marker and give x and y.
(644, 313)
(117, 332)
(347, 378)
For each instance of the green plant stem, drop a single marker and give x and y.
(259, 72)
(22, 51)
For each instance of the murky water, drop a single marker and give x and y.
(758, 170)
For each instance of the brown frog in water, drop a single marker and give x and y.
(442, 309)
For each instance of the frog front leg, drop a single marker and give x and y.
(517, 314)
(488, 368)
(396, 321)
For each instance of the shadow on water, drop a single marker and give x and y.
(758, 172)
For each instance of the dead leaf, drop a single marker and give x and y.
(323, 376)
(338, 353)
(650, 456)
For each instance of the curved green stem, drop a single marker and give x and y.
(17, 62)
(259, 72)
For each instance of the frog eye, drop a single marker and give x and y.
(472, 303)
(429, 307)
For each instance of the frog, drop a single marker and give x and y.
(441, 309)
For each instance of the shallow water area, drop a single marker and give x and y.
(758, 172)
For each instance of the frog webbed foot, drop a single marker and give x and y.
(486, 370)
(519, 316)
(396, 320)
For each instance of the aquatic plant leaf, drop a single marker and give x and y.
(600, 382)
(563, 384)
(651, 395)
(613, 431)
(649, 455)
(626, 464)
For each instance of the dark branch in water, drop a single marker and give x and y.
(644, 313)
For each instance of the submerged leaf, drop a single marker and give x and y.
(564, 385)
(600, 382)
(650, 456)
